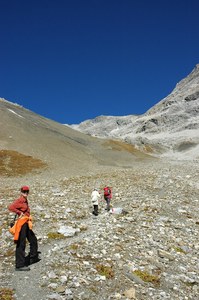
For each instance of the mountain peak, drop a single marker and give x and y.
(170, 128)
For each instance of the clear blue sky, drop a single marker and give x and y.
(73, 60)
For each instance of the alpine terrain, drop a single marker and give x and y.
(170, 128)
(147, 246)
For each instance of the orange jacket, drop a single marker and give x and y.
(15, 230)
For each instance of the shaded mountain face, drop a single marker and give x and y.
(170, 128)
(31, 142)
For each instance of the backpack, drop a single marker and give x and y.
(107, 191)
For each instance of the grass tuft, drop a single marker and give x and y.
(105, 271)
(6, 294)
(180, 250)
(55, 235)
(148, 277)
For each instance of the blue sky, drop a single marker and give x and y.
(73, 60)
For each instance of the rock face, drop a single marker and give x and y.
(170, 128)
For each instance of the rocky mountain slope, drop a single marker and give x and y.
(170, 128)
(57, 146)
(148, 251)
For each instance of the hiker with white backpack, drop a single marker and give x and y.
(95, 197)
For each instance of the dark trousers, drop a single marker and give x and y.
(108, 200)
(95, 210)
(21, 245)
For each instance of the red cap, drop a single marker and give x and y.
(24, 188)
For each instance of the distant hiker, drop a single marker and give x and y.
(23, 230)
(107, 196)
(95, 196)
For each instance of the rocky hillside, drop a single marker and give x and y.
(149, 250)
(170, 128)
(58, 147)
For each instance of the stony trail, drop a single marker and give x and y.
(149, 253)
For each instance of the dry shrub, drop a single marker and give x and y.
(9, 253)
(55, 235)
(146, 277)
(105, 271)
(122, 146)
(13, 163)
(6, 294)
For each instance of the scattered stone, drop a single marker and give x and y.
(130, 294)
(97, 258)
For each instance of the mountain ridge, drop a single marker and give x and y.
(170, 128)
(149, 251)
(59, 147)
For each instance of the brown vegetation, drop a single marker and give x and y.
(105, 271)
(146, 277)
(13, 163)
(6, 294)
(121, 146)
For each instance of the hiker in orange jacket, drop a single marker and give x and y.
(23, 230)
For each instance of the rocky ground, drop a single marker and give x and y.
(150, 251)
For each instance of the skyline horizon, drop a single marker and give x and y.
(74, 61)
(118, 115)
